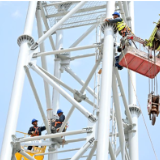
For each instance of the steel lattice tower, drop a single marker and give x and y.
(57, 16)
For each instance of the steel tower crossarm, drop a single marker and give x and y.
(14, 107)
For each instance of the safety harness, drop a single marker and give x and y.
(36, 132)
(123, 28)
(57, 123)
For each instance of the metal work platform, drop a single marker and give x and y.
(89, 14)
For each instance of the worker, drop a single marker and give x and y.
(124, 30)
(119, 24)
(35, 130)
(56, 124)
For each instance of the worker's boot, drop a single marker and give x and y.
(117, 63)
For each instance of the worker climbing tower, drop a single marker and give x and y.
(107, 129)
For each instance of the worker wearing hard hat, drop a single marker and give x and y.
(56, 124)
(35, 130)
(120, 24)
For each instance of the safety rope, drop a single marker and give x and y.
(148, 70)
(140, 108)
(22, 132)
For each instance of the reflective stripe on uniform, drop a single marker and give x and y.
(120, 25)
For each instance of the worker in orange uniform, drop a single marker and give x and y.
(35, 130)
(56, 124)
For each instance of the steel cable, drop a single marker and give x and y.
(140, 109)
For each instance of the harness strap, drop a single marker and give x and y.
(57, 123)
(36, 132)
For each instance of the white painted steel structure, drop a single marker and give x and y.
(61, 15)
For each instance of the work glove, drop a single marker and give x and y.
(33, 132)
(107, 19)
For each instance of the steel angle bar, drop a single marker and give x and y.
(43, 58)
(80, 11)
(117, 152)
(75, 140)
(127, 155)
(128, 114)
(58, 3)
(125, 6)
(81, 157)
(91, 153)
(90, 102)
(122, 11)
(80, 81)
(83, 36)
(57, 80)
(82, 56)
(58, 24)
(72, 109)
(22, 152)
(75, 26)
(69, 133)
(111, 152)
(63, 93)
(118, 116)
(47, 27)
(90, 75)
(37, 143)
(37, 99)
(35, 55)
(62, 151)
(83, 150)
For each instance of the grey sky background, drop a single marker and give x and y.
(12, 24)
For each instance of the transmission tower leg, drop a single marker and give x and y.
(11, 123)
(135, 111)
(133, 133)
(106, 83)
(132, 74)
(57, 73)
